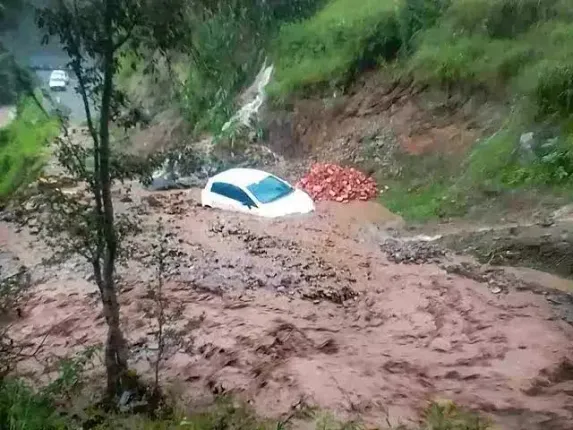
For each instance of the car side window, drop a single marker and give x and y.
(232, 192)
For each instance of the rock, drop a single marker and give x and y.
(191, 181)
(161, 183)
(441, 345)
(527, 147)
(526, 140)
(153, 201)
(546, 222)
(412, 251)
(565, 212)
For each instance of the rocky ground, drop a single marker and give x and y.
(330, 310)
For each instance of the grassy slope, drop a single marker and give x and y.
(331, 46)
(519, 50)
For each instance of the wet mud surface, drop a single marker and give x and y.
(315, 310)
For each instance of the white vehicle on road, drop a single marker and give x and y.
(59, 80)
(254, 191)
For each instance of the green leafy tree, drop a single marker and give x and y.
(95, 34)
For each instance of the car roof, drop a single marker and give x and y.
(240, 176)
(58, 73)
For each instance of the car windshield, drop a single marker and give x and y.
(270, 189)
(58, 75)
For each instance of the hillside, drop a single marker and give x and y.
(480, 91)
(445, 302)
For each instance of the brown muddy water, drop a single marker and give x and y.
(305, 310)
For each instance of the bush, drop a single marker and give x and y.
(446, 415)
(459, 53)
(340, 40)
(553, 88)
(23, 146)
(548, 82)
(500, 162)
(468, 61)
(418, 15)
(23, 409)
(503, 18)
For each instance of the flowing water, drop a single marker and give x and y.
(253, 98)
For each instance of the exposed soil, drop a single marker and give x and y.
(319, 310)
(378, 117)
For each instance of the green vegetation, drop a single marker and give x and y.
(228, 50)
(22, 408)
(343, 38)
(456, 44)
(23, 146)
(223, 66)
(515, 51)
(520, 48)
(223, 46)
(424, 201)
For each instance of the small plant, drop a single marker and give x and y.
(23, 409)
(71, 373)
(446, 415)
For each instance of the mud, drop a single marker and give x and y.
(306, 310)
(545, 245)
(379, 117)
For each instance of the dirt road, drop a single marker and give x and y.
(311, 311)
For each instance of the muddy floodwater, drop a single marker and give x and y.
(313, 310)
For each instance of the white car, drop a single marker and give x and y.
(59, 80)
(254, 191)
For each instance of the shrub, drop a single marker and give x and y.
(539, 62)
(23, 146)
(491, 157)
(445, 415)
(548, 82)
(553, 88)
(341, 39)
(501, 18)
(23, 409)
(467, 61)
(417, 15)
(500, 161)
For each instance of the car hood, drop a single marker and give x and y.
(297, 202)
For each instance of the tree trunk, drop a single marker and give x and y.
(116, 348)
